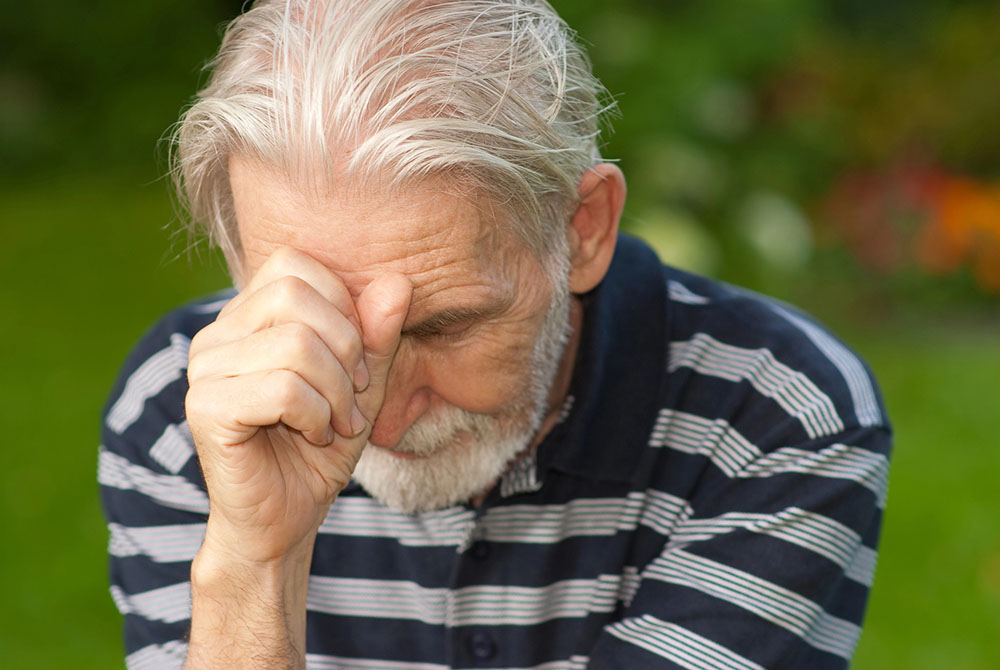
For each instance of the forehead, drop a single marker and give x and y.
(446, 242)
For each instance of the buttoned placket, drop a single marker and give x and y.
(474, 645)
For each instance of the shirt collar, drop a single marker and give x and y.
(614, 396)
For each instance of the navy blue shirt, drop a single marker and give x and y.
(711, 498)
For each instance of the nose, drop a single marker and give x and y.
(407, 397)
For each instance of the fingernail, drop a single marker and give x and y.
(330, 434)
(358, 422)
(361, 376)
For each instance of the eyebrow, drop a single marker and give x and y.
(439, 321)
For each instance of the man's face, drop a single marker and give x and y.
(481, 343)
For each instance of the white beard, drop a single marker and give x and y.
(462, 453)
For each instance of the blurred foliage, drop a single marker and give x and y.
(91, 86)
(741, 123)
(743, 126)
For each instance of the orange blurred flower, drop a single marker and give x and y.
(946, 221)
(964, 228)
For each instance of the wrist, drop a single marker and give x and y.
(246, 609)
(220, 562)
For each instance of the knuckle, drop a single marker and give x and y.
(232, 304)
(285, 386)
(195, 404)
(194, 368)
(298, 342)
(283, 256)
(290, 289)
(350, 347)
(200, 340)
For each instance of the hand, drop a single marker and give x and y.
(284, 386)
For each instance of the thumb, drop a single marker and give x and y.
(382, 308)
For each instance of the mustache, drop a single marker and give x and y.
(434, 432)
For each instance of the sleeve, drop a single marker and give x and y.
(770, 562)
(153, 498)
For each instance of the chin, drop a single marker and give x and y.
(452, 474)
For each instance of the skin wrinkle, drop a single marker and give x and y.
(483, 376)
(423, 256)
(422, 259)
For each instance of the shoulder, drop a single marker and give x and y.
(146, 401)
(169, 337)
(750, 375)
(737, 337)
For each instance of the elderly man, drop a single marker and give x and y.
(451, 419)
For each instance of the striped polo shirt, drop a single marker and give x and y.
(711, 498)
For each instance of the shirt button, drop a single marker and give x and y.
(482, 645)
(480, 550)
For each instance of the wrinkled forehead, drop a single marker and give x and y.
(436, 232)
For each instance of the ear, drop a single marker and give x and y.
(593, 230)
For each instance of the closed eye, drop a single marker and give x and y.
(452, 323)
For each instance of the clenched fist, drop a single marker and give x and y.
(284, 387)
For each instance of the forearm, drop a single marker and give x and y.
(248, 615)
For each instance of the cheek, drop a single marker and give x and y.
(483, 376)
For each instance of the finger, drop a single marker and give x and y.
(290, 346)
(382, 306)
(233, 409)
(289, 262)
(289, 300)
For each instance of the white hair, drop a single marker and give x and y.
(495, 95)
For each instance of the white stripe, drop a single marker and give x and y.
(838, 461)
(534, 524)
(858, 382)
(524, 606)
(166, 656)
(567, 408)
(169, 604)
(814, 532)
(324, 662)
(681, 293)
(377, 598)
(769, 601)
(174, 447)
(793, 391)
(173, 654)
(736, 456)
(473, 605)
(572, 663)
(364, 517)
(162, 544)
(547, 524)
(679, 645)
(521, 478)
(631, 579)
(170, 490)
(150, 378)
(862, 566)
(715, 439)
